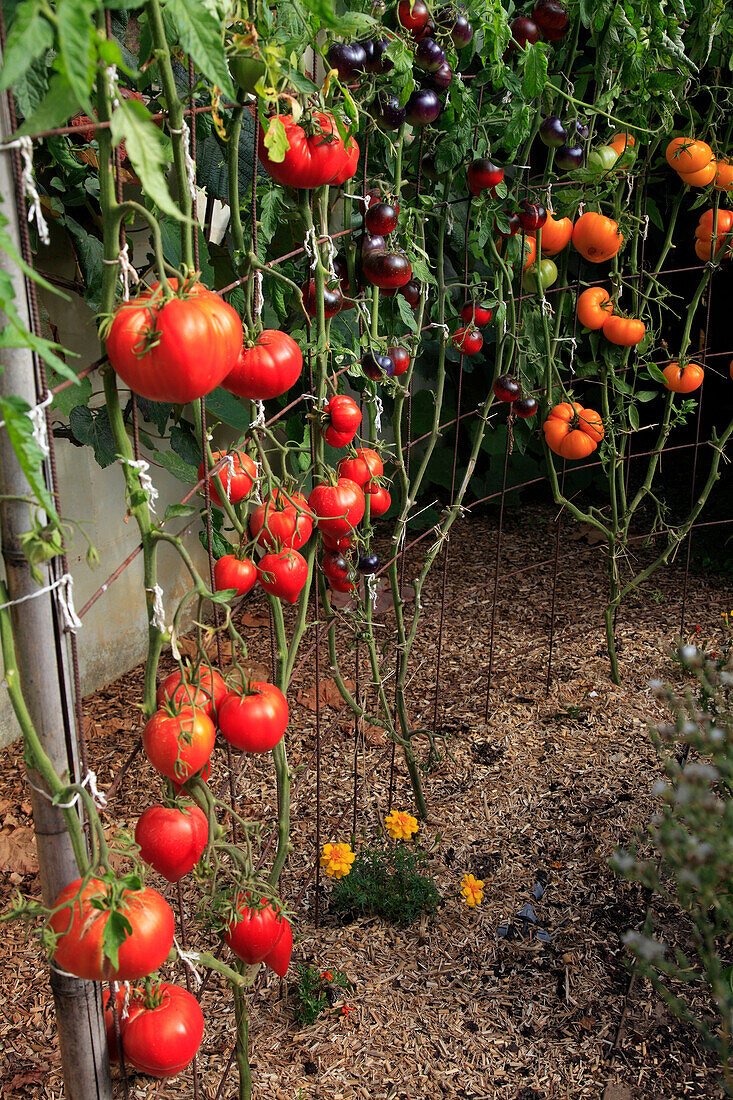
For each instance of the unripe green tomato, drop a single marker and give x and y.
(603, 158)
(246, 71)
(543, 274)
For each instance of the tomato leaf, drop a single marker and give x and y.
(229, 409)
(14, 411)
(92, 427)
(406, 315)
(534, 76)
(29, 38)
(180, 511)
(276, 140)
(75, 29)
(133, 124)
(55, 109)
(116, 930)
(634, 417)
(200, 37)
(655, 373)
(175, 465)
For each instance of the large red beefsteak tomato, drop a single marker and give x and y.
(267, 368)
(256, 719)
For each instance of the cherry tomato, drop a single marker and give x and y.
(345, 414)
(379, 502)
(531, 215)
(336, 570)
(507, 388)
(381, 218)
(362, 468)
(469, 340)
(524, 30)
(483, 173)
(525, 407)
(401, 359)
(476, 313)
(412, 15)
(429, 55)
(284, 518)
(333, 299)
(346, 58)
(540, 276)
(387, 269)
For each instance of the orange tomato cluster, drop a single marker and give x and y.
(695, 164)
(596, 311)
(704, 234)
(572, 431)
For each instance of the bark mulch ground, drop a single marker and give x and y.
(542, 787)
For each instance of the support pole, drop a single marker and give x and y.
(41, 653)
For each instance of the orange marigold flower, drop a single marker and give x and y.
(401, 825)
(336, 860)
(327, 976)
(472, 890)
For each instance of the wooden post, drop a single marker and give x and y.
(41, 653)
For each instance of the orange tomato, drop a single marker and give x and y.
(723, 176)
(530, 250)
(572, 431)
(556, 235)
(704, 233)
(684, 154)
(621, 142)
(594, 307)
(596, 237)
(685, 378)
(625, 331)
(702, 177)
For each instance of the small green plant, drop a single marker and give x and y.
(387, 881)
(316, 991)
(692, 867)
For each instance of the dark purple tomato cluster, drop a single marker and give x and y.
(508, 389)
(548, 20)
(567, 138)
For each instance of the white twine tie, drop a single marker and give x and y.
(89, 782)
(189, 958)
(35, 213)
(258, 295)
(573, 345)
(189, 162)
(64, 594)
(646, 227)
(128, 273)
(378, 410)
(158, 617)
(444, 328)
(259, 420)
(146, 483)
(310, 244)
(372, 588)
(37, 417)
(110, 74)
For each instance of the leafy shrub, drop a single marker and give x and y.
(315, 991)
(692, 868)
(387, 882)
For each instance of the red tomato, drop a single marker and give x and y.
(133, 1007)
(253, 932)
(179, 745)
(313, 158)
(343, 543)
(351, 162)
(336, 439)
(237, 573)
(283, 574)
(266, 369)
(202, 688)
(333, 299)
(483, 173)
(379, 502)
(363, 468)
(79, 925)
(172, 840)
(401, 359)
(279, 958)
(338, 508)
(336, 569)
(477, 314)
(235, 483)
(174, 350)
(164, 1034)
(284, 518)
(469, 341)
(345, 414)
(256, 720)
(412, 14)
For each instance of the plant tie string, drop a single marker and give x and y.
(259, 298)
(110, 75)
(128, 273)
(444, 328)
(189, 162)
(645, 230)
(64, 594)
(372, 588)
(157, 619)
(35, 213)
(37, 417)
(89, 782)
(378, 410)
(189, 959)
(146, 482)
(573, 345)
(259, 420)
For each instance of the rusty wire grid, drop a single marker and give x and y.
(311, 657)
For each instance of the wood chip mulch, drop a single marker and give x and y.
(538, 791)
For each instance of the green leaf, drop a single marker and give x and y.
(200, 37)
(184, 443)
(405, 311)
(229, 409)
(646, 395)
(155, 412)
(68, 399)
(89, 252)
(270, 212)
(75, 27)
(116, 930)
(133, 124)
(175, 465)
(276, 140)
(656, 374)
(219, 545)
(92, 427)
(180, 511)
(55, 109)
(634, 417)
(14, 411)
(29, 38)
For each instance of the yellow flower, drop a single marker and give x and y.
(472, 890)
(401, 825)
(336, 860)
